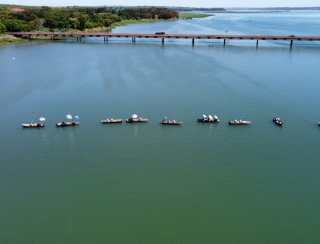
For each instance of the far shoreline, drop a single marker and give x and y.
(7, 40)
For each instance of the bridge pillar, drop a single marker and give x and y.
(193, 41)
(162, 40)
(224, 42)
(133, 39)
(291, 44)
(257, 43)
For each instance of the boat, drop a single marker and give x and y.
(111, 121)
(277, 121)
(134, 118)
(31, 125)
(67, 124)
(166, 121)
(240, 122)
(71, 122)
(206, 119)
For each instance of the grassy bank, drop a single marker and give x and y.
(192, 15)
(9, 39)
(132, 21)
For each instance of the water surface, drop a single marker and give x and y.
(146, 183)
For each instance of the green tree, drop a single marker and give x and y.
(83, 18)
(2, 28)
(14, 25)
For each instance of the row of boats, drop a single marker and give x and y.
(134, 118)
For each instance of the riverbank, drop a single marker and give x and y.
(193, 15)
(133, 21)
(6, 39)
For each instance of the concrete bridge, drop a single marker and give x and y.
(163, 36)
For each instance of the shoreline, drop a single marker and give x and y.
(134, 21)
(6, 40)
(193, 15)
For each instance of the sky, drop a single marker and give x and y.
(187, 3)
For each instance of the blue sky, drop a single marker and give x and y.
(193, 3)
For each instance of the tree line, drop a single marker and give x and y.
(15, 19)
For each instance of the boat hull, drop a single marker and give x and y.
(171, 124)
(32, 126)
(239, 123)
(131, 121)
(110, 121)
(202, 121)
(67, 124)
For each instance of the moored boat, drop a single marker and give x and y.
(134, 118)
(240, 122)
(67, 124)
(71, 122)
(277, 121)
(40, 124)
(111, 121)
(207, 119)
(32, 125)
(167, 121)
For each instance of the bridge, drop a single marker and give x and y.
(163, 36)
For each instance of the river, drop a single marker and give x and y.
(150, 184)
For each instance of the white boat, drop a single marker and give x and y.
(39, 124)
(134, 118)
(209, 119)
(240, 122)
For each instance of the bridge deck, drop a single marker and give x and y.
(169, 36)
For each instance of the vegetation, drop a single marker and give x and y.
(192, 15)
(132, 21)
(2, 28)
(15, 19)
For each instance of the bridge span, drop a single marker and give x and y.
(163, 36)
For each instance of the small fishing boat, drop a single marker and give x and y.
(71, 121)
(67, 124)
(111, 121)
(166, 121)
(31, 125)
(277, 121)
(134, 118)
(207, 119)
(240, 122)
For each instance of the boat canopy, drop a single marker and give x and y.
(134, 116)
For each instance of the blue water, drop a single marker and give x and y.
(282, 23)
(150, 184)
